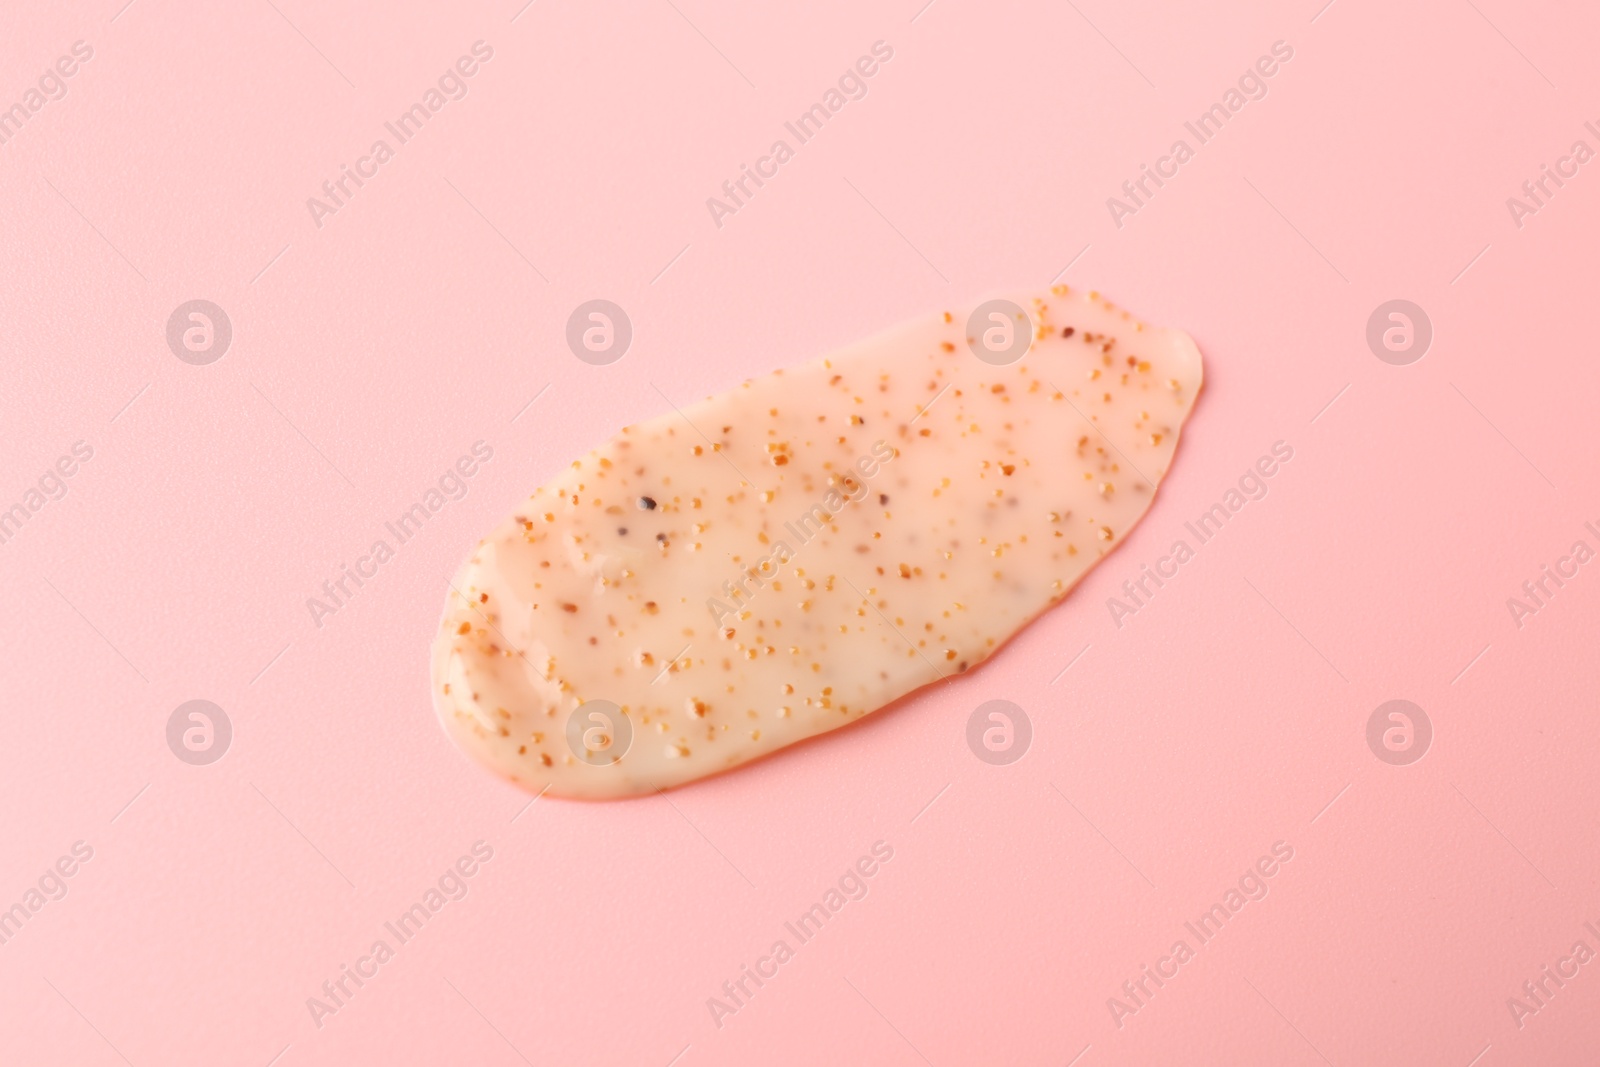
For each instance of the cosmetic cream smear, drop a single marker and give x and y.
(782, 559)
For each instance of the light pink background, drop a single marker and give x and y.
(370, 353)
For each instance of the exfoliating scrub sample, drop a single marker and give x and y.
(782, 559)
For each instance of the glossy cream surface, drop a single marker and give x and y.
(783, 558)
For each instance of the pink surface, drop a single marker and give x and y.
(368, 354)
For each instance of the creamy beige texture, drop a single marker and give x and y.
(786, 557)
